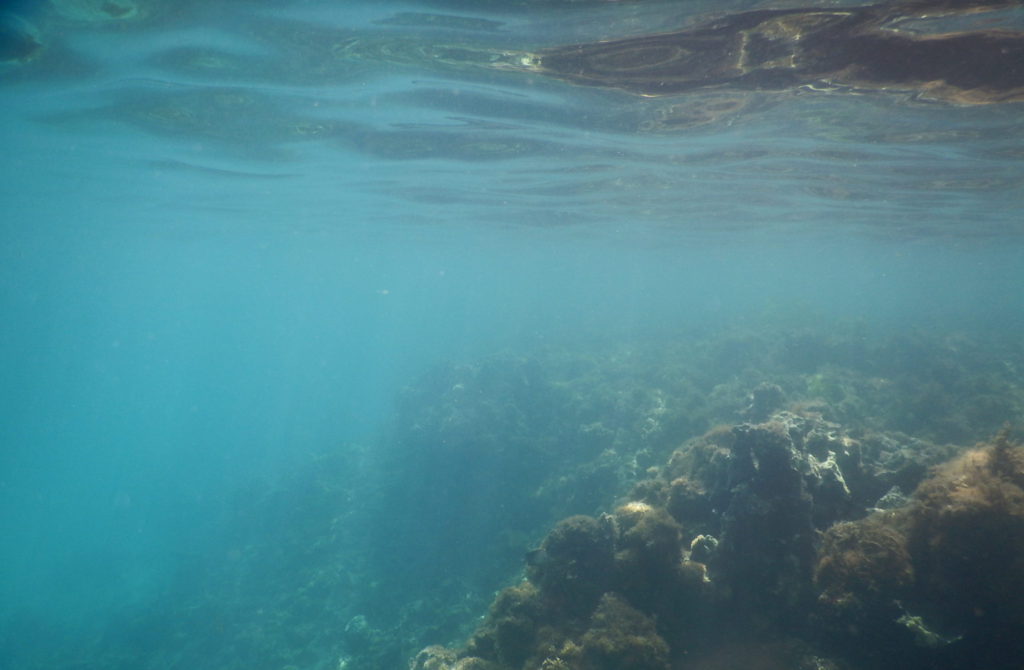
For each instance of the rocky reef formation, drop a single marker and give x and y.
(732, 498)
(572, 430)
(785, 541)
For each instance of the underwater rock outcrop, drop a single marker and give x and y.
(624, 591)
(769, 541)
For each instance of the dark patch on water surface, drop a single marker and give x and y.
(853, 48)
(444, 21)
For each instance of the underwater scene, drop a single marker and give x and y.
(511, 335)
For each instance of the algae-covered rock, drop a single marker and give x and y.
(622, 638)
(508, 634)
(864, 569)
(689, 504)
(434, 657)
(595, 587)
(574, 564)
(766, 551)
(764, 400)
(860, 562)
(751, 533)
(648, 536)
(647, 556)
(939, 578)
(966, 537)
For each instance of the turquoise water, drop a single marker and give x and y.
(233, 233)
